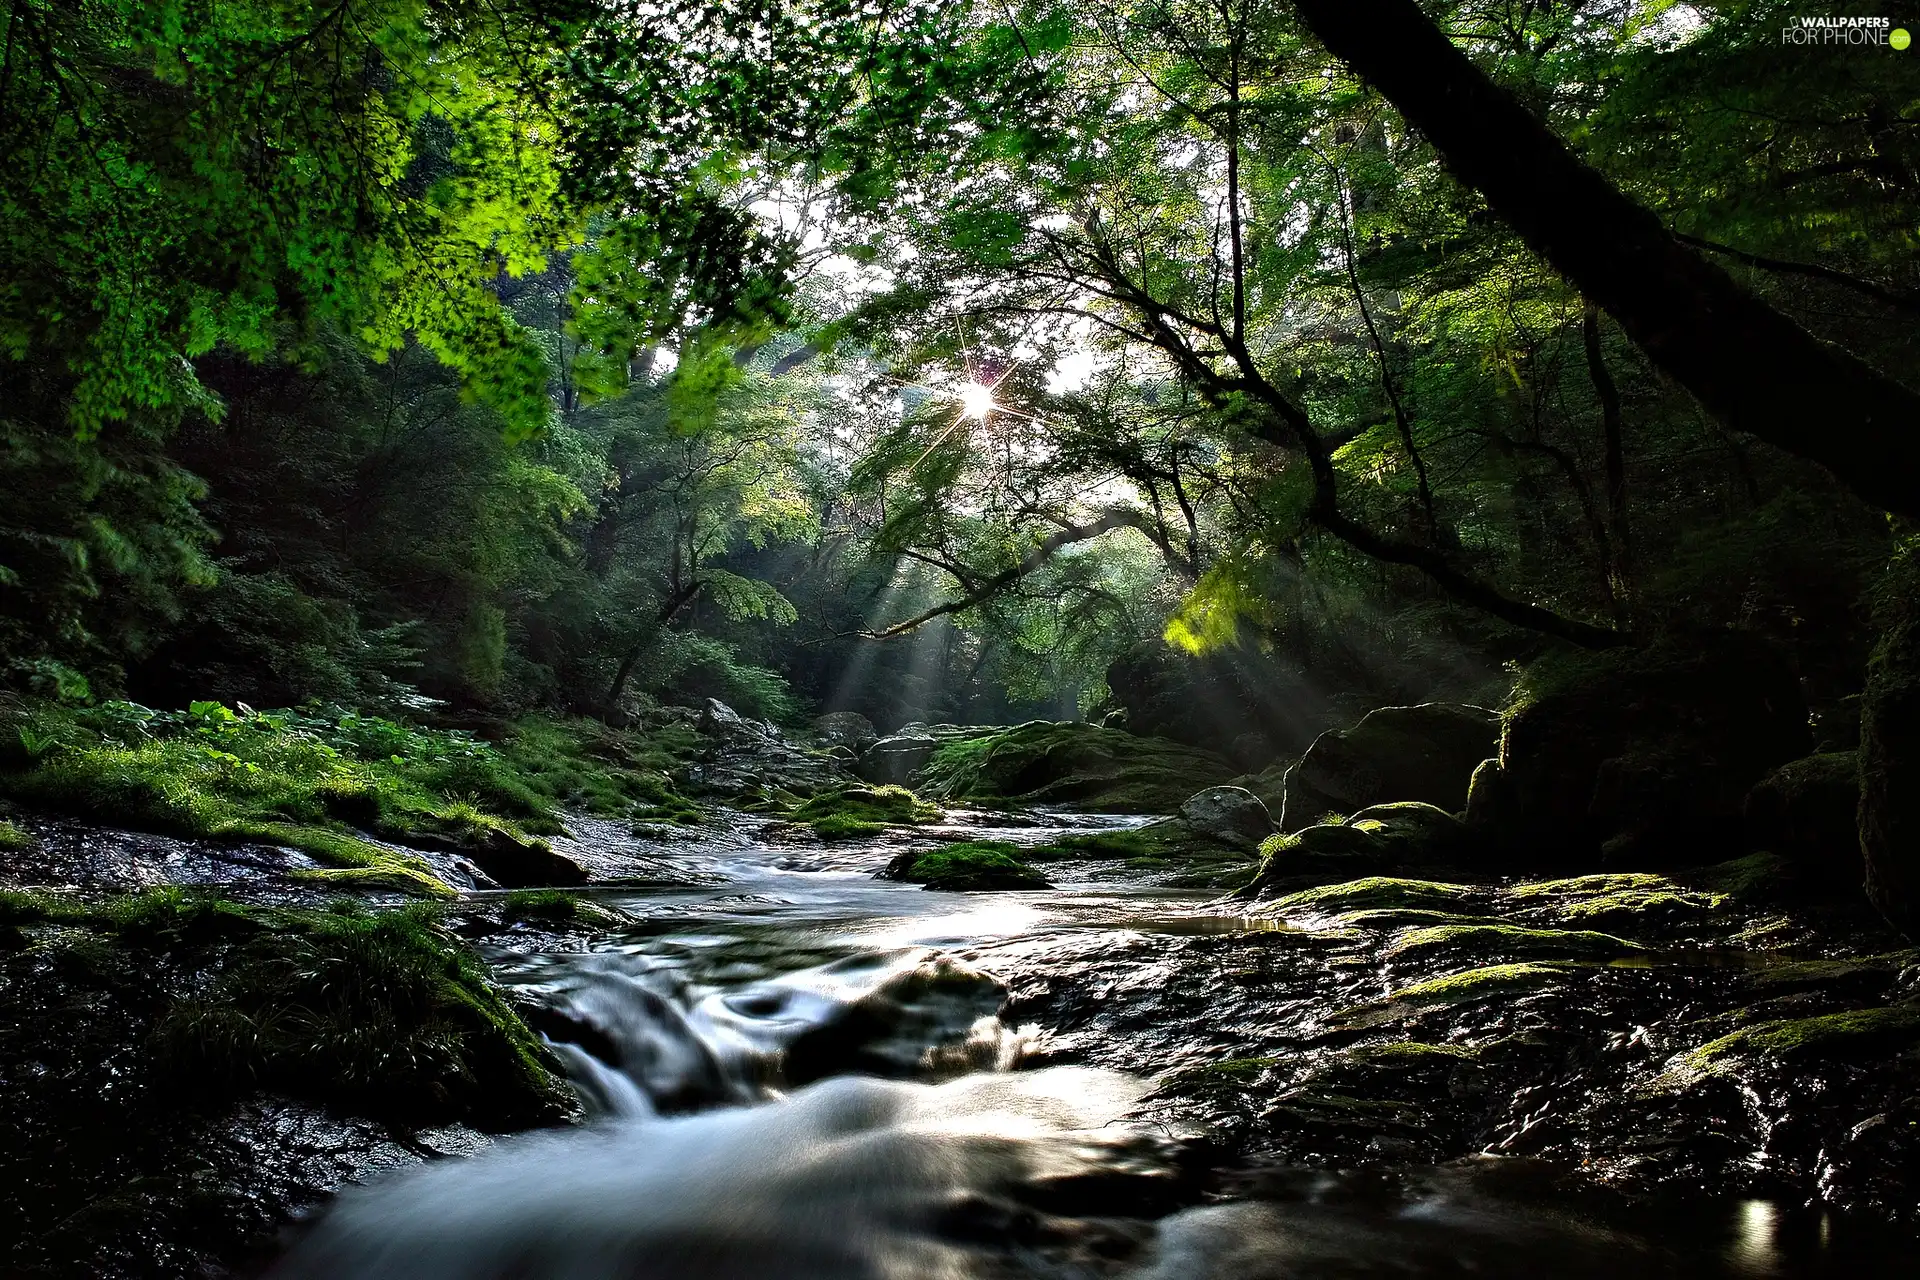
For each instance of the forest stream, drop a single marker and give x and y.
(794, 1068)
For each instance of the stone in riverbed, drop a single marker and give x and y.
(1426, 752)
(514, 863)
(968, 865)
(845, 728)
(894, 760)
(1642, 755)
(1231, 815)
(1080, 766)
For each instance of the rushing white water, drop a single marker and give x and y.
(795, 1073)
(851, 1177)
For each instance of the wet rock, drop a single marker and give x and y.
(895, 759)
(1380, 839)
(1270, 784)
(1485, 939)
(1890, 748)
(1414, 832)
(1426, 753)
(1807, 811)
(1079, 766)
(851, 812)
(178, 1075)
(1643, 755)
(1231, 815)
(516, 863)
(966, 866)
(719, 720)
(845, 728)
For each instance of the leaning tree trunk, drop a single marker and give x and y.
(1749, 365)
(1890, 748)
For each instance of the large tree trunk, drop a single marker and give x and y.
(1749, 365)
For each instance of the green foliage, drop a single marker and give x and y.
(190, 177)
(313, 782)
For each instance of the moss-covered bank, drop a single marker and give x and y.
(323, 783)
(133, 1031)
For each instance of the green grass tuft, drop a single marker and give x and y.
(854, 812)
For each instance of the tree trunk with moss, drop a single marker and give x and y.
(1890, 748)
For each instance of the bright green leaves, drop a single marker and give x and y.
(188, 176)
(1209, 617)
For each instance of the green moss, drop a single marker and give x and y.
(977, 864)
(863, 811)
(1641, 907)
(382, 1013)
(1377, 891)
(1483, 983)
(1590, 885)
(1858, 1034)
(312, 782)
(1410, 1054)
(1510, 939)
(12, 838)
(1397, 918)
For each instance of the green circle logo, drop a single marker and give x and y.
(1899, 38)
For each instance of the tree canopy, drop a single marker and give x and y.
(936, 357)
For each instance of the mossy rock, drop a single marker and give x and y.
(1425, 753)
(967, 866)
(854, 812)
(1857, 1035)
(1390, 918)
(558, 907)
(1488, 982)
(1078, 766)
(1376, 840)
(1512, 940)
(1411, 1055)
(1630, 901)
(1647, 753)
(1378, 892)
(1807, 811)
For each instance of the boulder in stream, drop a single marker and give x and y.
(1079, 766)
(1231, 815)
(845, 729)
(896, 758)
(1426, 753)
(1642, 755)
(516, 863)
(1807, 811)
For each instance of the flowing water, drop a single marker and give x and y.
(794, 1069)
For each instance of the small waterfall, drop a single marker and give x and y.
(851, 1178)
(638, 1039)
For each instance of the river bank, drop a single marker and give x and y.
(1331, 1060)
